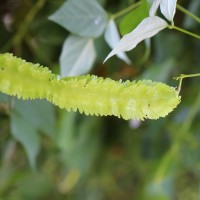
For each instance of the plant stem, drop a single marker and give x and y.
(126, 10)
(147, 51)
(180, 84)
(182, 76)
(179, 7)
(184, 31)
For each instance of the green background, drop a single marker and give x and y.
(49, 153)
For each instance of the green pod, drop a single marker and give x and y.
(91, 95)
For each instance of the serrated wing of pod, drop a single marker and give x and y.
(89, 94)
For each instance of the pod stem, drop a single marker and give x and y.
(182, 76)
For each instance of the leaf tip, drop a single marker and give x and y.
(108, 56)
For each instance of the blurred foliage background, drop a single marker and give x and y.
(48, 153)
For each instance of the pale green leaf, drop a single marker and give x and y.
(84, 18)
(146, 29)
(112, 38)
(27, 135)
(77, 57)
(154, 7)
(168, 8)
(27, 117)
(4, 97)
(39, 113)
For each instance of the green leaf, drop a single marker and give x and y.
(86, 19)
(132, 19)
(39, 113)
(77, 57)
(27, 135)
